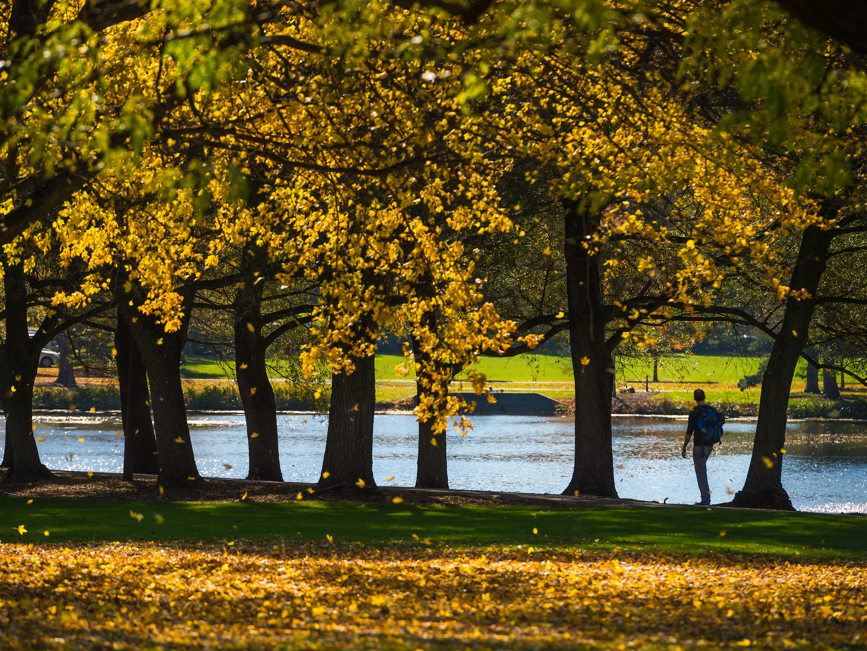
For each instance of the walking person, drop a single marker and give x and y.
(705, 423)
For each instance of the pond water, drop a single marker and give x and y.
(825, 466)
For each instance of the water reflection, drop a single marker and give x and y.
(825, 468)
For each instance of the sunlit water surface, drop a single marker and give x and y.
(825, 465)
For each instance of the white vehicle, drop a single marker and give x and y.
(48, 358)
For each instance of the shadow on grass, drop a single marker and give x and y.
(677, 529)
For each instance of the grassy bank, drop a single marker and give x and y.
(661, 529)
(398, 577)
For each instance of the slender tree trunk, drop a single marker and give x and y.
(254, 385)
(349, 443)
(432, 471)
(656, 369)
(763, 487)
(812, 377)
(593, 367)
(65, 370)
(19, 360)
(829, 384)
(161, 353)
(140, 445)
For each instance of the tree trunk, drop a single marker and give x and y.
(349, 443)
(812, 378)
(763, 487)
(140, 445)
(161, 353)
(829, 384)
(593, 367)
(19, 360)
(254, 385)
(656, 369)
(65, 371)
(432, 470)
(842, 377)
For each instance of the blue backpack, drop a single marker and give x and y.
(710, 425)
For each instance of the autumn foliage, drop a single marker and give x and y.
(247, 595)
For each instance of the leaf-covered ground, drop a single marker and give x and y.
(262, 595)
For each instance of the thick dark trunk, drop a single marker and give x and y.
(349, 445)
(764, 487)
(161, 353)
(829, 384)
(257, 396)
(812, 385)
(593, 367)
(65, 370)
(140, 445)
(656, 369)
(19, 359)
(432, 470)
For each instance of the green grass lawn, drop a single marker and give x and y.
(545, 368)
(663, 529)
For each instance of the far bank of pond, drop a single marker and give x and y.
(825, 468)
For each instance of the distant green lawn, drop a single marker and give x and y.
(546, 368)
(663, 529)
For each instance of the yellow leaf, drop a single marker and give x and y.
(244, 496)
(46, 533)
(330, 539)
(160, 341)
(253, 391)
(137, 516)
(118, 433)
(92, 409)
(560, 315)
(179, 440)
(326, 475)
(39, 439)
(81, 439)
(89, 474)
(227, 466)
(585, 361)
(21, 529)
(310, 490)
(254, 435)
(160, 519)
(768, 462)
(389, 479)
(299, 495)
(243, 366)
(433, 442)
(722, 533)
(397, 500)
(360, 483)
(114, 352)
(251, 327)
(225, 567)
(535, 530)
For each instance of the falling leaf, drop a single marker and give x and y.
(254, 435)
(160, 341)
(179, 440)
(21, 529)
(722, 533)
(767, 462)
(559, 315)
(118, 433)
(243, 366)
(40, 439)
(30, 501)
(299, 495)
(160, 519)
(137, 516)
(397, 500)
(251, 327)
(227, 466)
(89, 473)
(310, 490)
(253, 391)
(93, 410)
(389, 478)
(244, 496)
(330, 539)
(81, 439)
(114, 352)
(360, 483)
(45, 532)
(585, 361)
(433, 442)
(326, 475)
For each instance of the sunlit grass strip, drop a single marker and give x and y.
(266, 595)
(792, 535)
